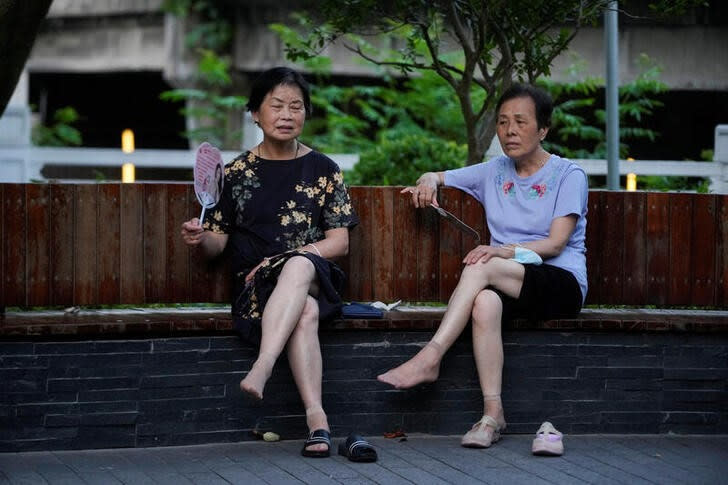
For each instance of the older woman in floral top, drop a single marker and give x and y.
(284, 214)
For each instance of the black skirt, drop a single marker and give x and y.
(248, 306)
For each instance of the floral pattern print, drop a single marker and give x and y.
(271, 209)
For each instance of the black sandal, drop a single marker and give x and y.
(317, 437)
(357, 449)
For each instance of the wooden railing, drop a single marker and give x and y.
(96, 244)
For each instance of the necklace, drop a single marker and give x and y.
(295, 155)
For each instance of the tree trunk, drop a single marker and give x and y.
(480, 136)
(19, 23)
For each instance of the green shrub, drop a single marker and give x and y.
(399, 160)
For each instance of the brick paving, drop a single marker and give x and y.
(421, 459)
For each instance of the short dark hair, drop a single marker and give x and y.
(541, 99)
(270, 79)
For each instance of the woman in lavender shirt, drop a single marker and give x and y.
(534, 200)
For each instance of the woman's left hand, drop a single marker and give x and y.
(483, 253)
(251, 275)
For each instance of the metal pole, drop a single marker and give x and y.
(612, 95)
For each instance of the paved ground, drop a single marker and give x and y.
(421, 459)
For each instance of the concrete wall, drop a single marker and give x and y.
(110, 35)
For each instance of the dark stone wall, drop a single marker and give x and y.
(174, 391)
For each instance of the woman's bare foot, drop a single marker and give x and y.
(316, 419)
(423, 367)
(258, 375)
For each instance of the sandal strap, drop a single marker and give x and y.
(488, 421)
(548, 428)
(318, 436)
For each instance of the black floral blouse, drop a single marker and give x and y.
(269, 207)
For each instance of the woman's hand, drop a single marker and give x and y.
(194, 235)
(192, 232)
(483, 253)
(425, 191)
(249, 277)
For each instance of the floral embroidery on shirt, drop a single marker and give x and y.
(509, 188)
(537, 191)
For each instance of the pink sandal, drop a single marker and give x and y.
(480, 436)
(548, 441)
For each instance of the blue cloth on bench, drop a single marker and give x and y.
(360, 310)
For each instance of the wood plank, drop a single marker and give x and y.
(38, 263)
(658, 248)
(405, 247)
(593, 246)
(85, 287)
(155, 243)
(200, 279)
(178, 261)
(680, 227)
(383, 243)
(450, 261)
(131, 243)
(109, 224)
(360, 278)
(704, 250)
(722, 253)
(612, 250)
(62, 228)
(635, 248)
(428, 247)
(14, 255)
(474, 216)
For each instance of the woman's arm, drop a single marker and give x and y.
(334, 245)
(559, 234)
(211, 243)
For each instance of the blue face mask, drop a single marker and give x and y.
(526, 256)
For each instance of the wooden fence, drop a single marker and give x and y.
(97, 244)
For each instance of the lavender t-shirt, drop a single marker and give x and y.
(521, 209)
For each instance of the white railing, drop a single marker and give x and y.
(24, 164)
(28, 162)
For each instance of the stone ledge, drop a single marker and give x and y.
(191, 321)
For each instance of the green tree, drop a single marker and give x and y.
(209, 103)
(61, 132)
(481, 44)
(578, 122)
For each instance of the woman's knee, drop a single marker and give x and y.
(483, 270)
(487, 309)
(298, 267)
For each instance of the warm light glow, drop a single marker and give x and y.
(631, 178)
(127, 173)
(631, 182)
(127, 141)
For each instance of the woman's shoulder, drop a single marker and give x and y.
(321, 161)
(566, 165)
(245, 157)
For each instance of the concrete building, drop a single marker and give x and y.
(110, 59)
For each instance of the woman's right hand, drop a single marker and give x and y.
(192, 232)
(424, 193)
(249, 277)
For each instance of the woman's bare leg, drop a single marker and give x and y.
(488, 352)
(280, 316)
(304, 356)
(500, 273)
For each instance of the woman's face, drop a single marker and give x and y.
(518, 131)
(282, 113)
